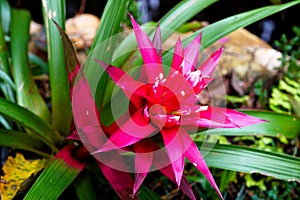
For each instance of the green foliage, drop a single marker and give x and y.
(261, 92)
(286, 95)
(290, 54)
(133, 9)
(237, 100)
(277, 190)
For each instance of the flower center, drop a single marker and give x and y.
(158, 116)
(159, 106)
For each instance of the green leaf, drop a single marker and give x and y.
(84, 187)
(190, 26)
(41, 68)
(60, 91)
(5, 123)
(5, 78)
(181, 13)
(278, 124)
(4, 53)
(7, 86)
(279, 102)
(226, 177)
(249, 160)
(250, 182)
(28, 119)
(61, 172)
(19, 140)
(27, 92)
(5, 15)
(111, 19)
(146, 194)
(217, 30)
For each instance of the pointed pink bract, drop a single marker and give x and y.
(143, 162)
(209, 66)
(152, 62)
(184, 185)
(193, 154)
(157, 43)
(178, 55)
(191, 53)
(175, 149)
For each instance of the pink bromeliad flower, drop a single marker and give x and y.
(167, 104)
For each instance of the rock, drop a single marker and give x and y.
(35, 28)
(244, 53)
(82, 29)
(248, 55)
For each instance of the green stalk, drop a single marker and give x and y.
(27, 92)
(60, 91)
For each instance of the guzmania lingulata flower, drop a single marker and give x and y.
(167, 104)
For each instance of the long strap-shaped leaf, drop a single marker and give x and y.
(84, 186)
(5, 15)
(20, 140)
(57, 176)
(27, 92)
(3, 49)
(29, 120)
(217, 30)
(113, 14)
(6, 88)
(277, 124)
(60, 94)
(249, 160)
(111, 18)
